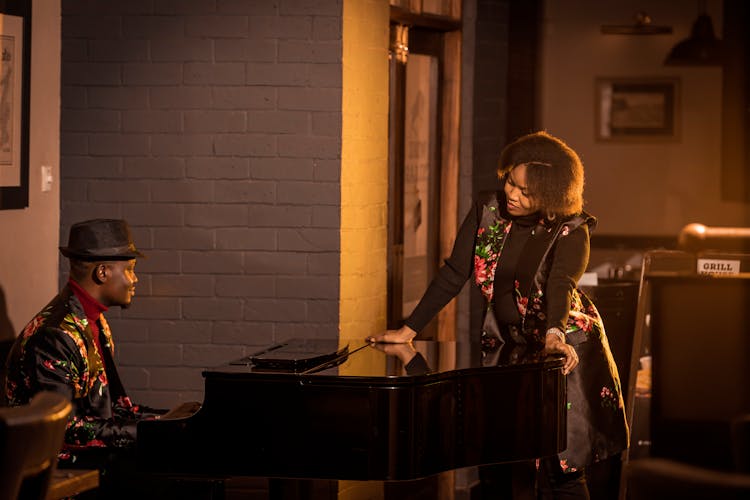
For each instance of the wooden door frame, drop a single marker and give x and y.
(448, 137)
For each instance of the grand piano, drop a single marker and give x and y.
(337, 409)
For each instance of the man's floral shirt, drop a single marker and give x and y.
(56, 352)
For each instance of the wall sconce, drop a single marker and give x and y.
(701, 48)
(399, 45)
(642, 26)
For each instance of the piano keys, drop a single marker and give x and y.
(332, 409)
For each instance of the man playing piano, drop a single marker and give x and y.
(68, 347)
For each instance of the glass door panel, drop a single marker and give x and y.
(421, 174)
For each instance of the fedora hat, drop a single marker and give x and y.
(100, 239)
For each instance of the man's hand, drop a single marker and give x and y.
(182, 410)
(403, 335)
(554, 344)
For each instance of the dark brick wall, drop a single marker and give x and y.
(213, 127)
(504, 48)
(489, 90)
(489, 111)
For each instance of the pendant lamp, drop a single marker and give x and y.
(701, 48)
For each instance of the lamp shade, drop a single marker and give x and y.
(702, 48)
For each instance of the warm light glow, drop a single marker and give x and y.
(364, 187)
(364, 169)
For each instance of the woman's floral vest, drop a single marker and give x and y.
(490, 239)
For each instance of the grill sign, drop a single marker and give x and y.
(718, 266)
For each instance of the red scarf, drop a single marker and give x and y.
(92, 308)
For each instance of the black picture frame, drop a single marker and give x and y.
(16, 195)
(637, 109)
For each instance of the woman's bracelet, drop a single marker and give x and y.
(556, 331)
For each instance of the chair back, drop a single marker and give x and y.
(659, 478)
(741, 443)
(31, 436)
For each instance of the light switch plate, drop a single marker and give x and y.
(47, 178)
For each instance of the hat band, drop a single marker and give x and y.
(104, 252)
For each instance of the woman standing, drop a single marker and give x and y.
(526, 247)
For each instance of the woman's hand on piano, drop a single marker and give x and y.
(403, 335)
(553, 343)
(403, 351)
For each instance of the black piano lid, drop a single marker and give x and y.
(360, 361)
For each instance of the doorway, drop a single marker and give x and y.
(418, 181)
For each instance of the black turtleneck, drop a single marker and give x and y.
(506, 311)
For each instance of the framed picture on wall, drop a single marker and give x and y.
(15, 50)
(637, 109)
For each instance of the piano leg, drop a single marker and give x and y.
(308, 489)
(513, 481)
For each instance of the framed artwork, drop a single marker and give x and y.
(15, 54)
(629, 109)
